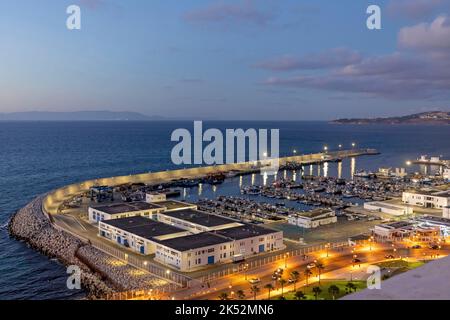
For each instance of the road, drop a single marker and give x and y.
(337, 263)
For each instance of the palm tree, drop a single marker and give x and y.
(299, 295)
(269, 288)
(350, 286)
(240, 294)
(282, 283)
(254, 290)
(320, 267)
(334, 291)
(295, 275)
(307, 273)
(223, 296)
(317, 291)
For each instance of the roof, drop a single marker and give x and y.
(315, 214)
(175, 205)
(431, 192)
(395, 225)
(245, 231)
(195, 241)
(199, 217)
(118, 208)
(435, 220)
(143, 227)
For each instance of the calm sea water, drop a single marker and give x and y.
(36, 157)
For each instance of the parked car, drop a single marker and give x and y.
(416, 247)
(389, 256)
(311, 265)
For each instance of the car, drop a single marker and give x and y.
(416, 247)
(290, 280)
(389, 256)
(275, 276)
(434, 247)
(254, 280)
(311, 265)
(356, 260)
(279, 271)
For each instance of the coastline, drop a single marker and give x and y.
(30, 225)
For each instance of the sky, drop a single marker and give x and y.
(235, 59)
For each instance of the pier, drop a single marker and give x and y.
(55, 199)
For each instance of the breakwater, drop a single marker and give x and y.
(101, 275)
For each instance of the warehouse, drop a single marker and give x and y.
(313, 219)
(123, 210)
(196, 221)
(388, 208)
(138, 233)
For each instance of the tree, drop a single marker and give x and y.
(254, 290)
(350, 286)
(320, 267)
(223, 296)
(240, 294)
(334, 291)
(282, 283)
(295, 276)
(299, 295)
(307, 273)
(317, 291)
(269, 288)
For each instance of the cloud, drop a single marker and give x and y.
(221, 12)
(395, 76)
(336, 57)
(415, 9)
(434, 36)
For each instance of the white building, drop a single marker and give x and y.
(188, 239)
(138, 233)
(313, 219)
(123, 210)
(196, 221)
(446, 212)
(207, 248)
(388, 208)
(394, 230)
(155, 197)
(427, 198)
(446, 174)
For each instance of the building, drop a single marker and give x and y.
(393, 231)
(173, 205)
(123, 210)
(446, 212)
(427, 198)
(186, 239)
(222, 246)
(441, 224)
(138, 233)
(155, 197)
(388, 208)
(400, 230)
(196, 221)
(446, 174)
(313, 219)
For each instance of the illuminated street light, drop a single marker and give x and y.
(340, 146)
(325, 148)
(353, 144)
(408, 163)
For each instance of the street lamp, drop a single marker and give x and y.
(353, 144)
(285, 260)
(325, 148)
(408, 163)
(340, 146)
(328, 248)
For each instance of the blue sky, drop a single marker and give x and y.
(236, 59)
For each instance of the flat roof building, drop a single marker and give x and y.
(196, 221)
(388, 208)
(428, 198)
(313, 219)
(138, 233)
(122, 210)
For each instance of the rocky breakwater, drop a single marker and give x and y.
(31, 225)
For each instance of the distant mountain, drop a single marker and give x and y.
(77, 116)
(433, 117)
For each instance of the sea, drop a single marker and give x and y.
(36, 157)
